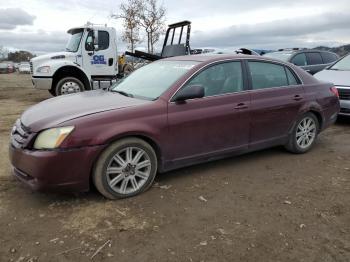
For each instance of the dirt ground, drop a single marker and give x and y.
(265, 206)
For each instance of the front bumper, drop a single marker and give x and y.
(344, 108)
(42, 82)
(67, 170)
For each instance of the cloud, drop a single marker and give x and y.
(10, 18)
(37, 41)
(301, 30)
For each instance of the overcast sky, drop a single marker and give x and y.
(40, 25)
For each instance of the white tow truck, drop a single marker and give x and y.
(91, 60)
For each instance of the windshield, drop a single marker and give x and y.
(279, 55)
(74, 41)
(150, 81)
(343, 64)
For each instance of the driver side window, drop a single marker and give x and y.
(89, 44)
(219, 79)
(103, 41)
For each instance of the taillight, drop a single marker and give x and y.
(334, 90)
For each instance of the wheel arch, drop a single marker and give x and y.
(319, 118)
(70, 71)
(152, 142)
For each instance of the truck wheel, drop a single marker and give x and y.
(126, 168)
(69, 85)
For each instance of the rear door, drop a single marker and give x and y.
(314, 62)
(215, 123)
(276, 98)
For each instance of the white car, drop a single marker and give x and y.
(24, 68)
(339, 75)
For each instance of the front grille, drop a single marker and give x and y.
(345, 110)
(19, 135)
(31, 67)
(344, 94)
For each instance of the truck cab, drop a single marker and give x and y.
(90, 61)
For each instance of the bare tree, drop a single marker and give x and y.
(151, 18)
(3, 53)
(129, 13)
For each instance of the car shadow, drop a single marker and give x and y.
(343, 120)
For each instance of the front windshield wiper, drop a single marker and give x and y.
(122, 93)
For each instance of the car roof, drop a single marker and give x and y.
(289, 51)
(220, 57)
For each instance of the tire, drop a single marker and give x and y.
(52, 92)
(303, 137)
(116, 177)
(69, 85)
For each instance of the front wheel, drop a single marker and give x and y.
(126, 168)
(304, 134)
(69, 85)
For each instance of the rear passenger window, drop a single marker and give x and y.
(314, 59)
(299, 60)
(220, 79)
(266, 75)
(329, 57)
(291, 78)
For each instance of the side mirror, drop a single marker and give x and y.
(95, 39)
(190, 92)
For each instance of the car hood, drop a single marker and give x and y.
(55, 111)
(338, 78)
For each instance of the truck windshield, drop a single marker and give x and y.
(74, 41)
(152, 80)
(342, 65)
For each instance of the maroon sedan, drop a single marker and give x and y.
(169, 114)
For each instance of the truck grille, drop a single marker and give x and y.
(19, 135)
(344, 94)
(31, 67)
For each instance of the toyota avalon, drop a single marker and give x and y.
(169, 114)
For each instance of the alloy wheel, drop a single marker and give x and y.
(306, 132)
(128, 170)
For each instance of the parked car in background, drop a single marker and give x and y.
(339, 74)
(24, 68)
(312, 61)
(3, 68)
(169, 114)
(11, 67)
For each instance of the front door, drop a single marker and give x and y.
(215, 123)
(98, 62)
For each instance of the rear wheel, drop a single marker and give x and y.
(126, 168)
(304, 134)
(69, 85)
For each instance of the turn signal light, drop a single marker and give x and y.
(334, 90)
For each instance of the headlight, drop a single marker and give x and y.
(52, 138)
(43, 69)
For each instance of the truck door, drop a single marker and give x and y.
(100, 62)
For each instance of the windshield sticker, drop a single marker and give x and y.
(98, 60)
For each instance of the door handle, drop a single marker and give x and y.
(297, 97)
(241, 106)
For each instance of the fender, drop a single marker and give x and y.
(313, 107)
(63, 67)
